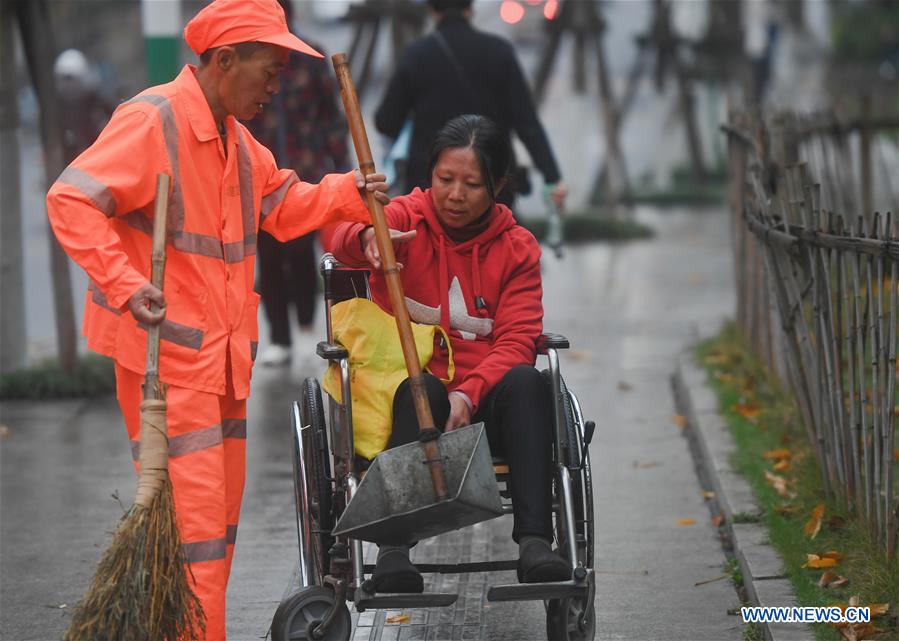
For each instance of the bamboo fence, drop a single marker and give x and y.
(817, 270)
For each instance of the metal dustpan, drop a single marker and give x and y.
(443, 482)
(396, 503)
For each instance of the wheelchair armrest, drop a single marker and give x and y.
(331, 352)
(551, 341)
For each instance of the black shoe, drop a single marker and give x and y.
(539, 564)
(394, 573)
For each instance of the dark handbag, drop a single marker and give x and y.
(520, 180)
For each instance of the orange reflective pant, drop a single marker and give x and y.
(207, 465)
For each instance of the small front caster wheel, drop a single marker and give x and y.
(299, 617)
(567, 620)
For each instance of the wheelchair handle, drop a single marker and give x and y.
(392, 277)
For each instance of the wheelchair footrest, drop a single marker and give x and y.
(537, 591)
(400, 601)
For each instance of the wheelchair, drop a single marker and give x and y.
(331, 572)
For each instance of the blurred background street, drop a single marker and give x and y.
(628, 308)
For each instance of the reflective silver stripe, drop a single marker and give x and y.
(99, 298)
(234, 427)
(98, 193)
(234, 252)
(231, 534)
(212, 550)
(254, 347)
(179, 334)
(198, 244)
(170, 137)
(272, 200)
(195, 441)
(245, 177)
(138, 220)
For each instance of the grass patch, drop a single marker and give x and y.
(762, 417)
(94, 375)
(586, 226)
(683, 190)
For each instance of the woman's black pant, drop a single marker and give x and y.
(288, 273)
(517, 415)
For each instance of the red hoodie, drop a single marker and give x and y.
(485, 292)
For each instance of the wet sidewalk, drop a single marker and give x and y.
(627, 309)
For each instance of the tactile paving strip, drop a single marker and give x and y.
(464, 620)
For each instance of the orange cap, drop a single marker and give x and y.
(228, 22)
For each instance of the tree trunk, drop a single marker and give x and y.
(40, 50)
(12, 283)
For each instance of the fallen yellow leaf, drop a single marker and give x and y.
(749, 411)
(397, 618)
(840, 582)
(787, 509)
(783, 465)
(879, 609)
(686, 521)
(779, 483)
(827, 578)
(778, 453)
(815, 562)
(716, 359)
(813, 526)
(680, 420)
(724, 377)
(708, 494)
(833, 554)
(717, 519)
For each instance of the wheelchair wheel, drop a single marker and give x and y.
(572, 459)
(320, 517)
(298, 615)
(564, 620)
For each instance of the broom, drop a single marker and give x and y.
(140, 591)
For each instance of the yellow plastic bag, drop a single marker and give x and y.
(377, 367)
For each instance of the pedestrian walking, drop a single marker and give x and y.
(225, 187)
(82, 109)
(306, 131)
(446, 74)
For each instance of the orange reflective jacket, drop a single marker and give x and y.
(101, 209)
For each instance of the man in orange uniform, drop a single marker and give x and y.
(225, 187)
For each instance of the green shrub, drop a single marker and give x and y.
(583, 227)
(94, 375)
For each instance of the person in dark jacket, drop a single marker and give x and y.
(459, 70)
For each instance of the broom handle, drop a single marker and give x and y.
(157, 278)
(428, 434)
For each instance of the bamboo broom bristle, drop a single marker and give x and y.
(134, 597)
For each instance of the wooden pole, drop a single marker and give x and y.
(13, 337)
(40, 51)
(428, 432)
(864, 153)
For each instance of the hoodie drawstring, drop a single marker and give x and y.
(444, 288)
(479, 303)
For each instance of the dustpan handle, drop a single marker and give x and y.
(427, 432)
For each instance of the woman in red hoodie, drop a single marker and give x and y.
(471, 269)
